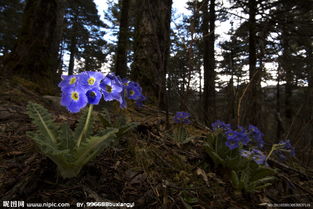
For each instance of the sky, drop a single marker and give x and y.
(177, 4)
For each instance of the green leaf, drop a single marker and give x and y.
(244, 178)
(235, 179)
(94, 144)
(65, 135)
(258, 188)
(263, 181)
(44, 145)
(43, 120)
(261, 172)
(221, 149)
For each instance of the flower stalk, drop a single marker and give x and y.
(83, 133)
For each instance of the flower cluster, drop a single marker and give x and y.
(255, 155)
(251, 137)
(220, 125)
(240, 136)
(89, 87)
(235, 138)
(182, 118)
(257, 135)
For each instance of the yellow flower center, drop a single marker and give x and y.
(131, 92)
(91, 81)
(73, 80)
(75, 95)
(109, 89)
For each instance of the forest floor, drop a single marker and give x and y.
(146, 167)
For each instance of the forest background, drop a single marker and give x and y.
(260, 74)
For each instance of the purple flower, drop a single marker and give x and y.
(69, 81)
(91, 80)
(220, 124)
(74, 99)
(257, 135)
(94, 95)
(133, 90)
(232, 143)
(286, 145)
(124, 81)
(238, 136)
(182, 117)
(255, 155)
(258, 157)
(122, 99)
(244, 138)
(245, 153)
(111, 88)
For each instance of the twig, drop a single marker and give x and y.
(243, 94)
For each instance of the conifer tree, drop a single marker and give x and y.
(11, 18)
(36, 53)
(83, 35)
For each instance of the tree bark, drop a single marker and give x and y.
(209, 105)
(254, 106)
(309, 53)
(151, 52)
(121, 53)
(35, 57)
(288, 73)
(279, 130)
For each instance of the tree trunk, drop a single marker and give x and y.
(309, 96)
(231, 97)
(121, 54)
(152, 48)
(288, 73)
(209, 105)
(72, 56)
(35, 57)
(73, 45)
(279, 130)
(254, 106)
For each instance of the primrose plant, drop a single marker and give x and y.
(71, 150)
(181, 119)
(239, 151)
